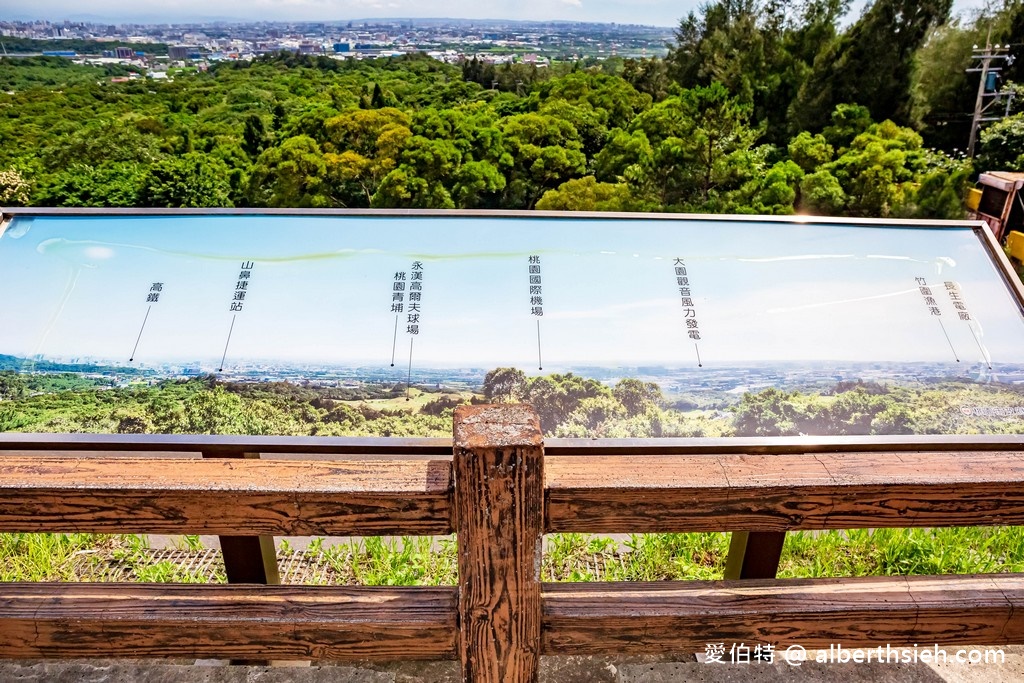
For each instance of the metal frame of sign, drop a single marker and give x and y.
(332, 446)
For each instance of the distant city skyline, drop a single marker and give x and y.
(647, 12)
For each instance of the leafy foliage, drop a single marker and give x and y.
(300, 131)
(871, 64)
(568, 405)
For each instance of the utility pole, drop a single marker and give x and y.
(986, 60)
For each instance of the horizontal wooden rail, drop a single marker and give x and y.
(613, 494)
(346, 623)
(600, 494)
(228, 622)
(667, 617)
(366, 497)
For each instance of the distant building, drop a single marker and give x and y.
(59, 53)
(343, 47)
(179, 52)
(124, 53)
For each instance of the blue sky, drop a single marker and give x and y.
(321, 290)
(654, 12)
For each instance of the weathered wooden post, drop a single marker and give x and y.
(499, 519)
(247, 559)
(754, 555)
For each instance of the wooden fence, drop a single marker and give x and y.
(499, 492)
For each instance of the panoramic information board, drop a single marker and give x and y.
(611, 327)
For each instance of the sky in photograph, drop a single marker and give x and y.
(321, 288)
(653, 12)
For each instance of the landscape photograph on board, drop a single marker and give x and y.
(379, 325)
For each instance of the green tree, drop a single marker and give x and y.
(293, 174)
(427, 167)
(591, 414)
(108, 184)
(738, 43)
(876, 172)
(821, 193)
(810, 152)
(768, 413)
(698, 140)
(364, 146)
(213, 412)
(255, 137)
(871, 64)
(505, 385)
(847, 122)
(611, 100)
(1002, 145)
(760, 50)
(621, 151)
(637, 396)
(557, 396)
(941, 190)
(546, 151)
(649, 76)
(192, 180)
(106, 140)
(770, 190)
(403, 189)
(586, 194)
(476, 184)
(12, 386)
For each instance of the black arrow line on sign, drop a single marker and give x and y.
(697, 348)
(540, 360)
(408, 381)
(136, 347)
(394, 343)
(949, 342)
(980, 347)
(230, 330)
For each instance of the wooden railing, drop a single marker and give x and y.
(499, 492)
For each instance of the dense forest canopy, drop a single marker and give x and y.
(567, 404)
(759, 107)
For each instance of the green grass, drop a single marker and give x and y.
(859, 552)
(567, 557)
(42, 557)
(863, 552)
(413, 561)
(90, 557)
(641, 557)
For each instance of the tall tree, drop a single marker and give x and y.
(254, 135)
(737, 43)
(192, 180)
(761, 50)
(696, 141)
(871, 64)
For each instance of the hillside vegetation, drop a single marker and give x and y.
(759, 107)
